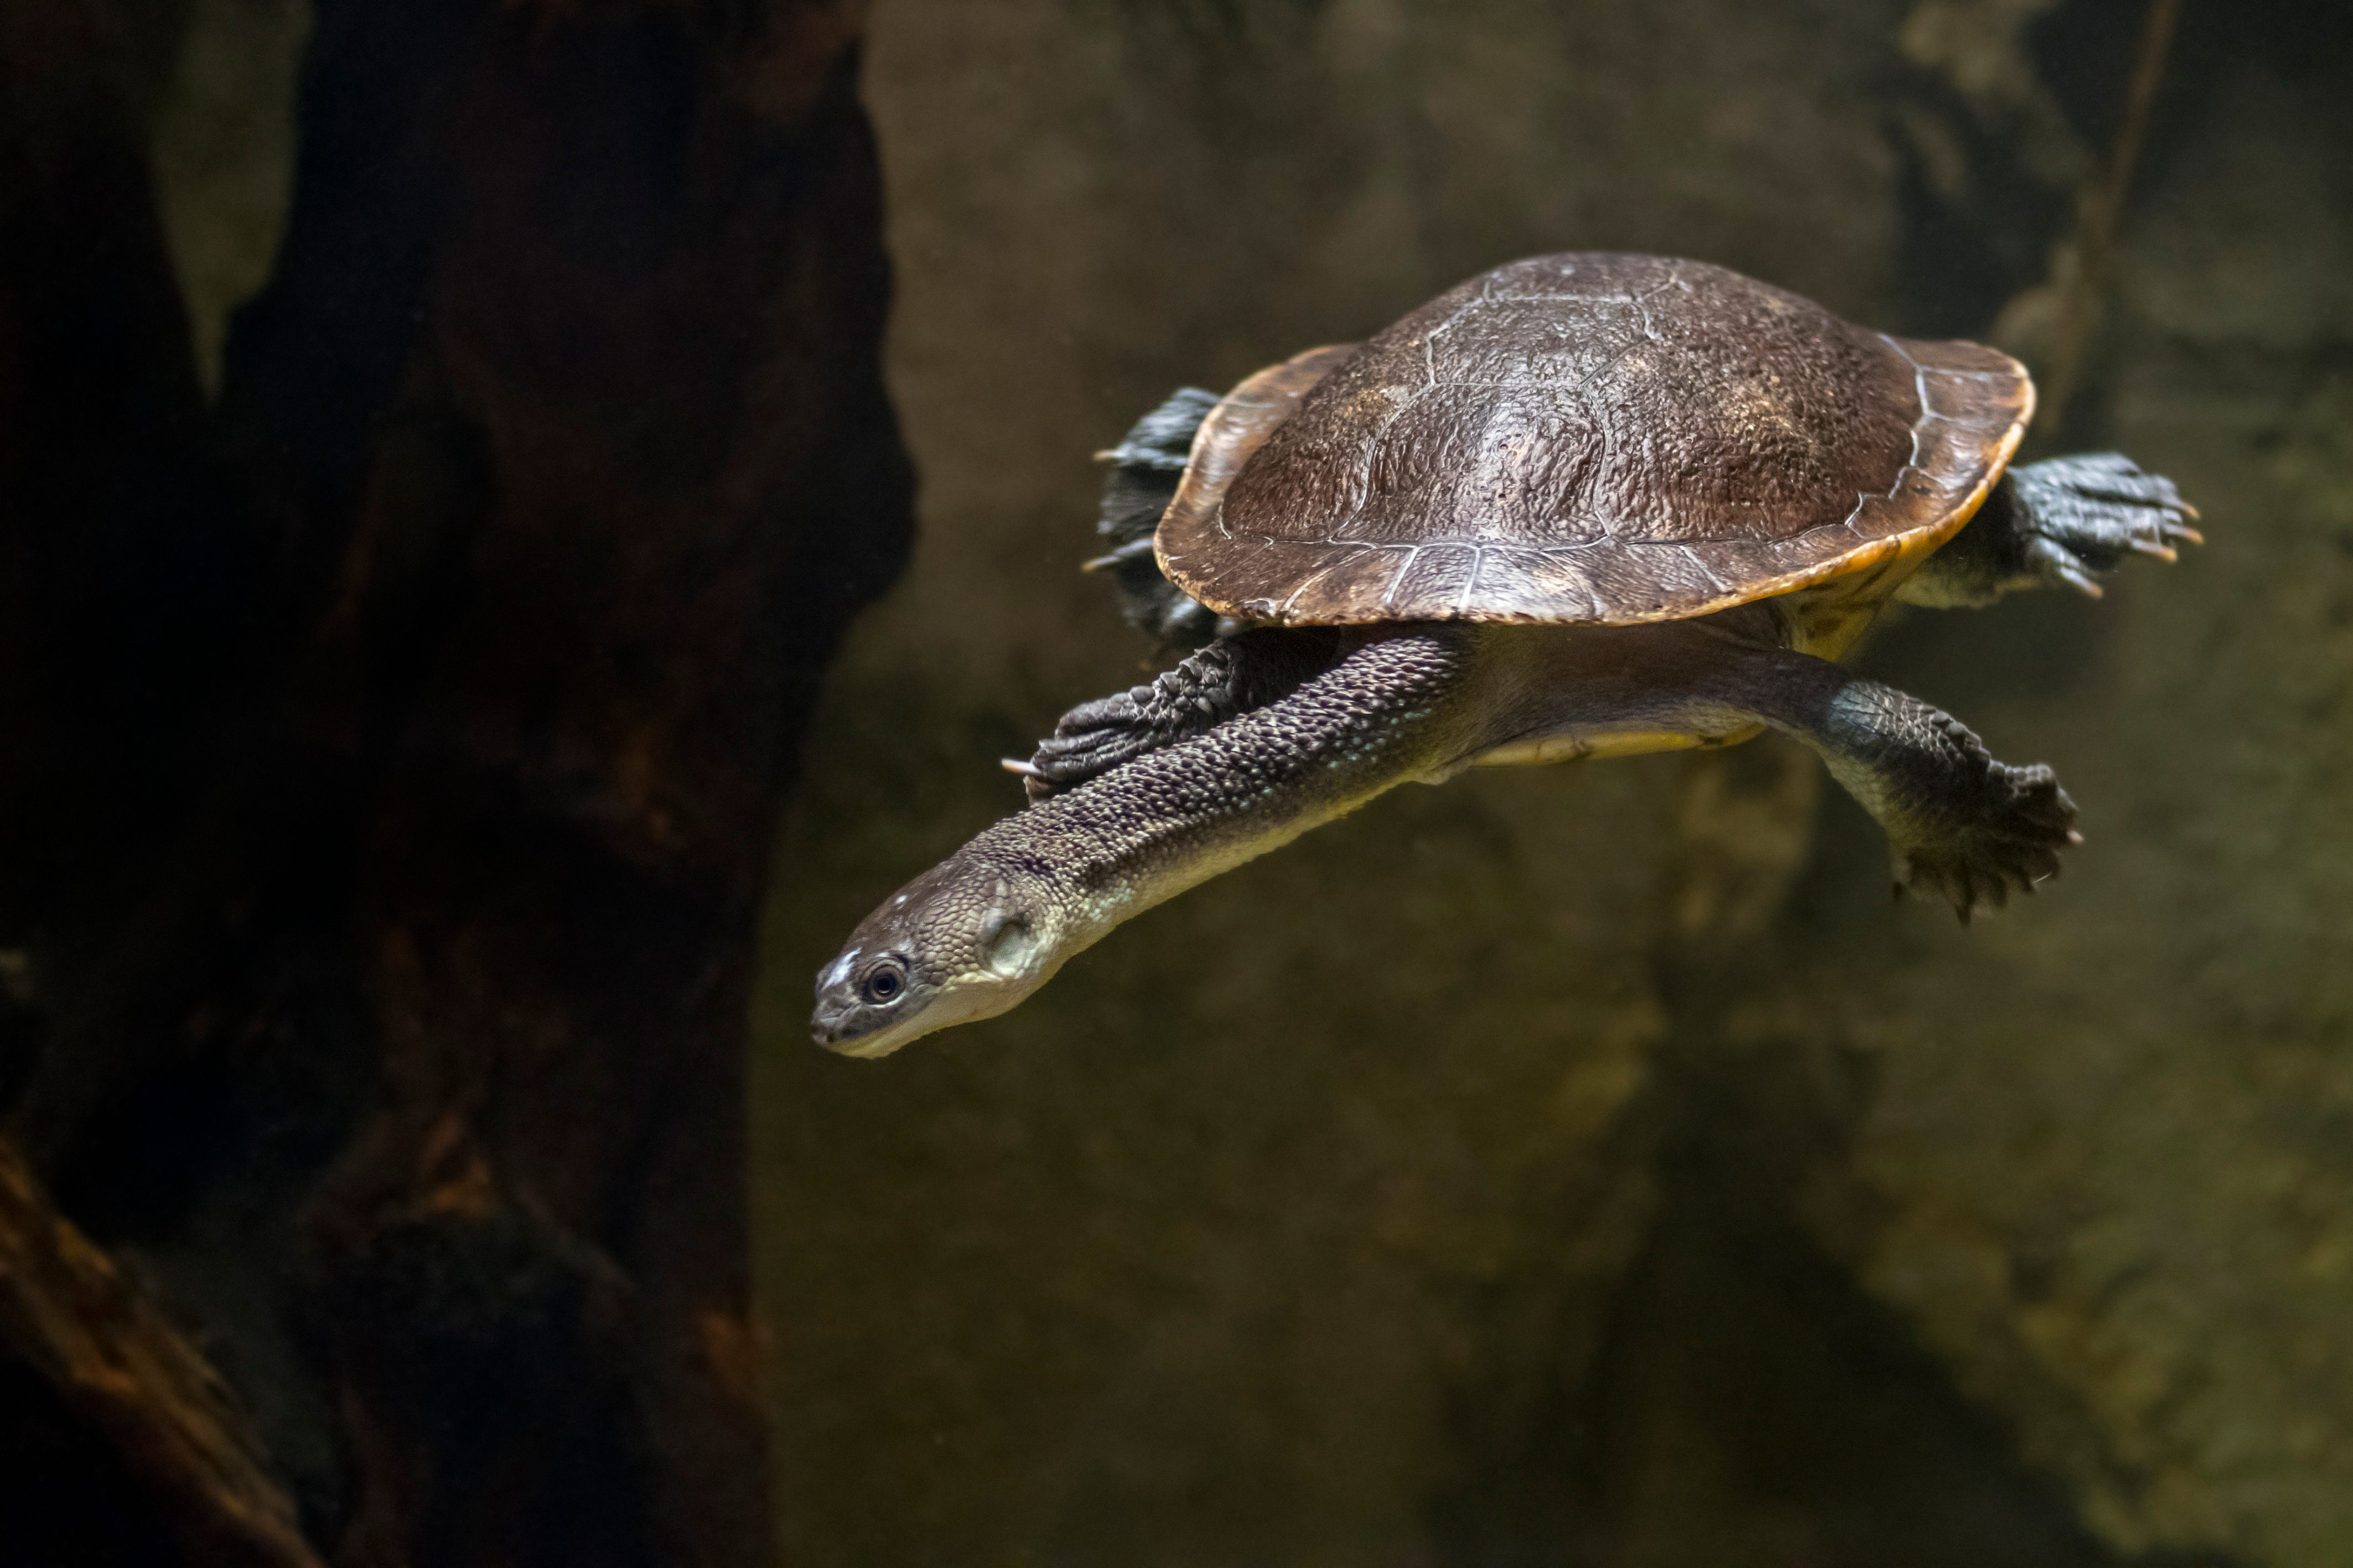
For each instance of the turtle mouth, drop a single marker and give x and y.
(842, 1031)
(849, 1026)
(872, 1047)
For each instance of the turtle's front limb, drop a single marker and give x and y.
(2051, 524)
(1231, 675)
(1961, 824)
(1146, 467)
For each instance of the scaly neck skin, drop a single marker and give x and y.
(1397, 707)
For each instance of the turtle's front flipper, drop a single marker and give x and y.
(1230, 675)
(1146, 467)
(1961, 824)
(2059, 523)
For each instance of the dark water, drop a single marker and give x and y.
(1590, 1164)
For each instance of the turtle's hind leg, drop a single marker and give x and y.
(2061, 523)
(1961, 824)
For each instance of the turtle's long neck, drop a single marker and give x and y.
(1394, 709)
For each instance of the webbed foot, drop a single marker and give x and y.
(2011, 844)
(2081, 516)
(1962, 825)
(1146, 469)
(1095, 737)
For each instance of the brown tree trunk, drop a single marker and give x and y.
(404, 1050)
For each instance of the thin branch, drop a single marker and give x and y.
(117, 1364)
(2100, 213)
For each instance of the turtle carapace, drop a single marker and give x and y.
(1580, 506)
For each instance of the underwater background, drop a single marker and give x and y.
(522, 520)
(1590, 1164)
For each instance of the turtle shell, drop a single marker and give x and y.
(1587, 438)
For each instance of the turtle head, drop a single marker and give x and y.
(967, 940)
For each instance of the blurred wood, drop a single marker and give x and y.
(117, 1364)
(580, 552)
(405, 1043)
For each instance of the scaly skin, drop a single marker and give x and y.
(2058, 523)
(977, 933)
(1249, 669)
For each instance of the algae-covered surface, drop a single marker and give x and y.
(1588, 1165)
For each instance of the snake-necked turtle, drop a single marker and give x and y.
(1580, 506)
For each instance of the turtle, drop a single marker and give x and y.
(1580, 506)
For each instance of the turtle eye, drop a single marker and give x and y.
(884, 983)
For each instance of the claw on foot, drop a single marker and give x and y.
(2085, 514)
(2011, 844)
